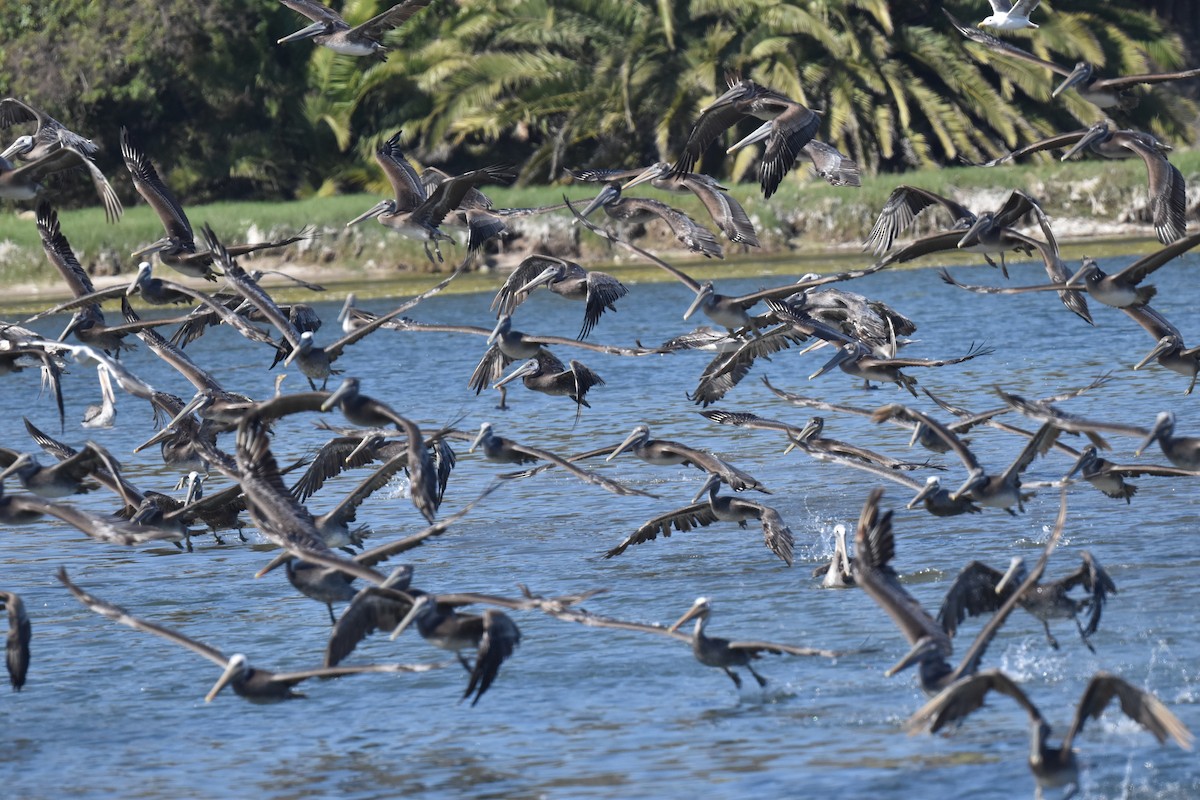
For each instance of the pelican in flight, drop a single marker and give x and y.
(330, 30)
(1008, 16)
(16, 646)
(1053, 767)
(776, 536)
(980, 589)
(874, 548)
(787, 128)
(598, 290)
(1104, 92)
(256, 685)
(713, 651)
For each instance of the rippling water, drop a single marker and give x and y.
(110, 712)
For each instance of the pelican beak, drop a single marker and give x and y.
(304, 33)
(231, 670)
(1096, 132)
(484, 430)
(712, 481)
(76, 321)
(625, 445)
(1078, 75)
(1083, 271)
(918, 429)
(547, 274)
(21, 145)
(929, 488)
(417, 605)
(647, 175)
(696, 610)
(762, 132)
(274, 564)
(1165, 345)
(495, 334)
(163, 435)
(1155, 432)
(200, 401)
(528, 368)
(972, 235)
(706, 291)
(919, 650)
(345, 312)
(1012, 575)
(338, 393)
(379, 208)
(363, 445)
(842, 355)
(606, 196)
(161, 244)
(813, 428)
(18, 462)
(972, 482)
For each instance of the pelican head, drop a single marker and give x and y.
(528, 369)
(846, 352)
(639, 434)
(757, 135)
(1014, 574)
(145, 271)
(237, 667)
(933, 485)
(981, 223)
(1086, 459)
(485, 432)
(1164, 345)
(347, 391)
(659, 169)
(503, 326)
(738, 90)
(1088, 270)
(700, 609)
(22, 144)
(1081, 74)
(370, 441)
(160, 246)
(347, 307)
(548, 275)
(810, 431)
(1164, 426)
(608, 194)
(316, 29)
(419, 606)
(925, 647)
(22, 465)
(704, 293)
(378, 210)
(708, 487)
(304, 347)
(1099, 132)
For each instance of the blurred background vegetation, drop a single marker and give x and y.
(546, 84)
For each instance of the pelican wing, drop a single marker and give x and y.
(16, 645)
(394, 17)
(500, 639)
(616, 487)
(1140, 706)
(960, 698)
(829, 163)
(406, 184)
(334, 350)
(1004, 48)
(603, 290)
(711, 124)
(681, 519)
(1097, 583)
(154, 191)
(1123, 81)
(901, 209)
(1141, 269)
(1049, 143)
(374, 608)
(1168, 188)
(317, 12)
(103, 529)
(509, 296)
(790, 132)
(118, 614)
(727, 212)
(972, 593)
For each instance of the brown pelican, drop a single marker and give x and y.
(640, 210)
(787, 128)
(256, 685)
(506, 451)
(980, 589)
(598, 291)
(1168, 188)
(858, 361)
(995, 491)
(1110, 478)
(901, 209)
(874, 548)
(53, 147)
(664, 452)
(1008, 16)
(492, 635)
(776, 536)
(16, 645)
(545, 373)
(725, 211)
(178, 248)
(1169, 349)
(63, 479)
(1104, 92)
(1053, 767)
(414, 213)
(330, 30)
(839, 572)
(712, 651)
(20, 509)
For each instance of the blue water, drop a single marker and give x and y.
(578, 712)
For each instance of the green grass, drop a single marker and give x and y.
(804, 217)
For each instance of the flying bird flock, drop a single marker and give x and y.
(412, 417)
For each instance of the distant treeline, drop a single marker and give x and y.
(546, 84)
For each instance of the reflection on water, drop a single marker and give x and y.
(109, 712)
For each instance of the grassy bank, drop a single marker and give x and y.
(806, 217)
